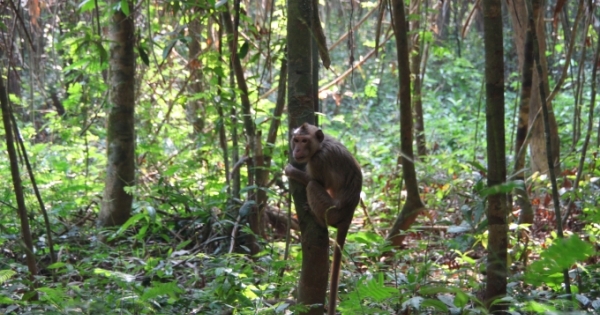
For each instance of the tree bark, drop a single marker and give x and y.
(496, 155)
(518, 13)
(195, 107)
(413, 205)
(18, 186)
(526, 214)
(415, 66)
(301, 54)
(120, 171)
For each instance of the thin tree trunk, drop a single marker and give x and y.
(526, 215)
(195, 108)
(263, 174)
(415, 66)
(120, 171)
(497, 206)
(413, 205)
(18, 186)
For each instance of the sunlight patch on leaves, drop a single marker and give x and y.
(114, 274)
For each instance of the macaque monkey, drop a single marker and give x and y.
(333, 183)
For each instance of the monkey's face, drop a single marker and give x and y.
(302, 148)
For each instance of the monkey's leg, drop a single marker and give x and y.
(297, 175)
(326, 209)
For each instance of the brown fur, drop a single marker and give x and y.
(333, 181)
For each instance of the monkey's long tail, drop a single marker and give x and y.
(336, 262)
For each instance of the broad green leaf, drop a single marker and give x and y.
(6, 300)
(57, 265)
(125, 7)
(376, 289)
(134, 219)
(244, 50)
(87, 5)
(561, 255)
(437, 304)
(143, 55)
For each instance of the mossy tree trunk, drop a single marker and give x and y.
(120, 139)
(195, 111)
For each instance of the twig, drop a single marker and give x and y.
(233, 232)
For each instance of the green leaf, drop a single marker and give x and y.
(134, 219)
(561, 255)
(103, 53)
(143, 55)
(172, 170)
(478, 166)
(57, 265)
(114, 274)
(86, 5)
(6, 274)
(461, 299)
(168, 48)
(125, 7)
(243, 50)
(367, 238)
(376, 289)
(6, 300)
(54, 295)
(437, 304)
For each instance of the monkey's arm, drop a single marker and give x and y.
(297, 175)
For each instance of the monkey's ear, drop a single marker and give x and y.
(320, 136)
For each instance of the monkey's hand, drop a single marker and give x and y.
(297, 175)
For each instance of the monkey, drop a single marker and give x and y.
(333, 181)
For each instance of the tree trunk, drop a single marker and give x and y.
(526, 214)
(195, 109)
(415, 66)
(18, 187)
(413, 205)
(120, 138)
(496, 154)
(537, 143)
(301, 55)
